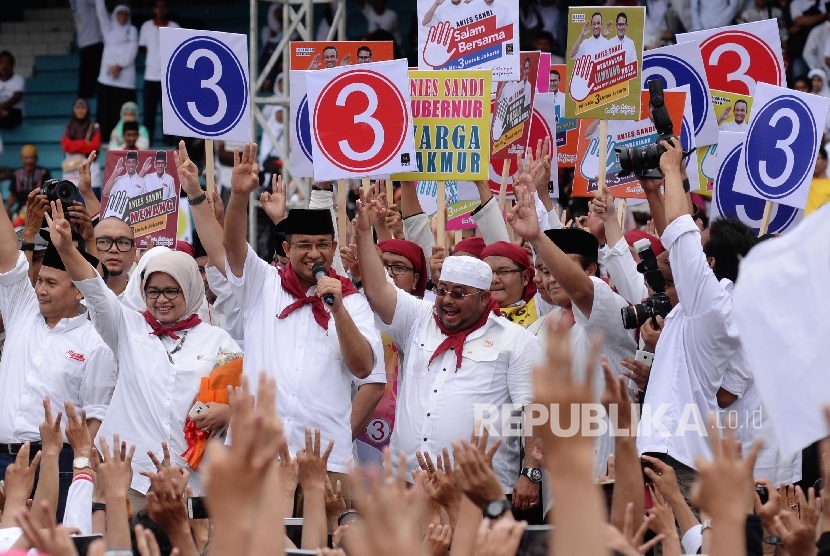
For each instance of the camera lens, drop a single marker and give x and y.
(635, 316)
(66, 192)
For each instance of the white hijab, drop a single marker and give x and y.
(184, 270)
(133, 297)
(825, 88)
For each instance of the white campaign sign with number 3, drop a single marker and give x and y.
(361, 120)
(782, 143)
(205, 84)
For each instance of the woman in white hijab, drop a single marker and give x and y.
(818, 82)
(162, 352)
(116, 80)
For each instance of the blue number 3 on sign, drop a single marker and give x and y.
(206, 86)
(778, 131)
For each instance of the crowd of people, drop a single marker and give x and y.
(403, 391)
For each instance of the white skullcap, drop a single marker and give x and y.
(467, 271)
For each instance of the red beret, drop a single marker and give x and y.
(635, 235)
(518, 255)
(185, 247)
(414, 254)
(472, 245)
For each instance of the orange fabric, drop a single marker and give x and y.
(213, 388)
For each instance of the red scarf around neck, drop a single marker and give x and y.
(455, 340)
(291, 284)
(161, 330)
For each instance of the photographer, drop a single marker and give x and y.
(698, 340)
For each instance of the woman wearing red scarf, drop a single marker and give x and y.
(513, 286)
(162, 354)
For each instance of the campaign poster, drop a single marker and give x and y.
(621, 133)
(604, 57)
(732, 111)
(313, 55)
(566, 128)
(142, 188)
(512, 109)
(459, 215)
(469, 34)
(451, 116)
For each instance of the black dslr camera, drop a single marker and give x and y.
(658, 304)
(644, 162)
(60, 190)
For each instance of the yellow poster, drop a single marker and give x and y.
(451, 117)
(732, 112)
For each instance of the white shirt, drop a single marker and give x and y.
(148, 37)
(617, 343)
(592, 46)
(388, 21)
(437, 404)
(120, 48)
(734, 126)
(627, 47)
(623, 272)
(698, 341)
(152, 182)
(131, 186)
(314, 382)
(815, 49)
(798, 7)
(14, 84)
(226, 304)
(450, 12)
(67, 362)
(86, 22)
(153, 395)
(499, 9)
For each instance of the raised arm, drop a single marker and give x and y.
(415, 222)
(93, 205)
(565, 270)
(382, 295)
(8, 244)
(103, 15)
(61, 234)
(670, 161)
(244, 180)
(208, 228)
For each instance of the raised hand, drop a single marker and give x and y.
(637, 371)
(347, 59)
(78, 215)
(85, 173)
(51, 436)
(499, 538)
(115, 470)
(37, 205)
(437, 48)
(371, 208)
(335, 505)
(60, 230)
(218, 207)
(165, 504)
(436, 261)
(315, 62)
(55, 540)
(274, 203)
(798, 528)
(245, 177)
(522, 218)
(77, 431)
(188, 172)
(311, 464)
(616, 396)
(475, 476)
(672, 159)
(19, 481)
(441, 486)
(348, 255)
(437, 540)
(146, 167)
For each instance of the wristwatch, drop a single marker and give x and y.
(497, 508)
(81, 463)
(532, 473)
(99, 507)
(26, 246)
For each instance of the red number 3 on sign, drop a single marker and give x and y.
(360, 120)
(736, 61)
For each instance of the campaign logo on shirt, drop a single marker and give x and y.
(75, 355)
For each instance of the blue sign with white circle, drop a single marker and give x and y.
(780, 147)
(747, 208)
(676, 72)
(303, 127)
(207, 86)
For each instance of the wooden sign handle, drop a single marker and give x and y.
(441, 215)
(342, 217)
(603, 156)
(765, 219)
(621, 212)
(210, 176)
(505, 174)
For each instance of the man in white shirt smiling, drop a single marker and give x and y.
(52, 351)
(122, 187)
(315, 349)
(160, 179)
(461, 356)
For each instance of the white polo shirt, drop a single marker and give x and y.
(153, 182)
(314, 386)
(437, 403)
(67, 362)
(153, 395)
(592, 46)
(698, 342)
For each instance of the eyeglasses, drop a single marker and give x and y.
(398, 269)
(505, 272)
(169, 293)
(457, 295)
(362, 58)
(123, 244)
(321, 246)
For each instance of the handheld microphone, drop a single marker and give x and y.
(319, 271)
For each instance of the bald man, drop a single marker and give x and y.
(115, 244)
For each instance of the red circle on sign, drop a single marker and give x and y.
(539, 129)
(740, 55)
(347, 117)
